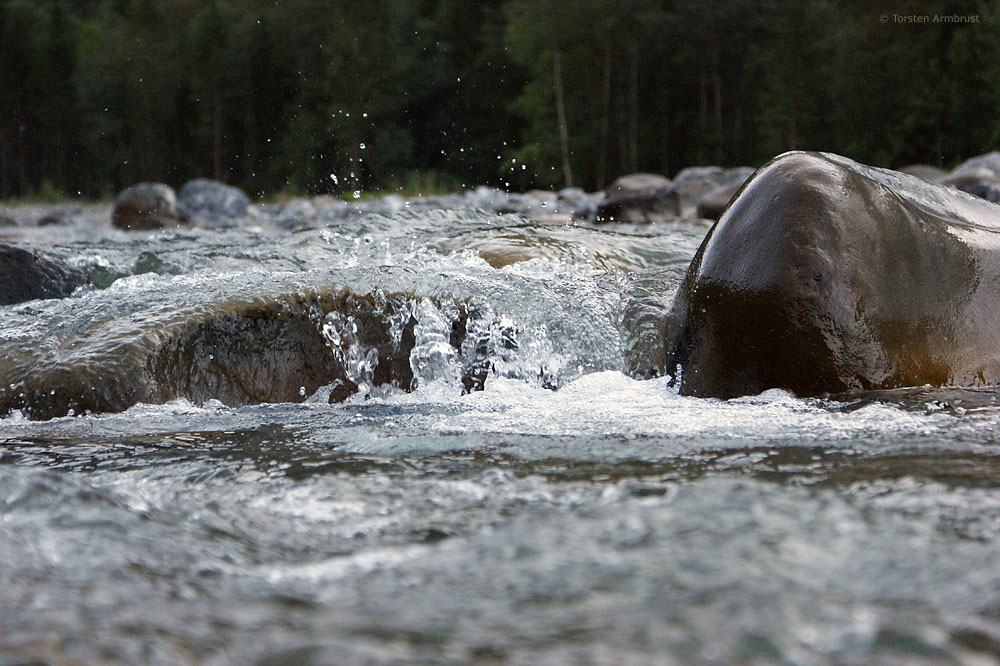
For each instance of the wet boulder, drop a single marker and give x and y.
(57, 217)
(291, 214)
(639, 197)
(489, 199)
(712, 205)
(825, 276)
(979, 176)
(238, 351)
(536, 203)
(145, 206)
(985, 190)
(931, 174)
(693, 184)
(25, 276)
(572, 199)
(210, 203)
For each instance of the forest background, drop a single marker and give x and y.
(425, 96)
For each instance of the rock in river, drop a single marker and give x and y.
(211, 203)
(145, 206)
(826, 276)
(712, 205)
(931, 174)
(639, 197)
(25, 276)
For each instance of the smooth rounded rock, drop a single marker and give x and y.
(712, 205)
(211, 203)
(25, 276)
(979, 176)
(826, 276)
(145, 206)
(931, 174)
(639, 197)
(695, 184)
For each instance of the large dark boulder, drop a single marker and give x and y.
(826, 276)
(25, 276)
(145, 206)
(211, 203)
(639, 197)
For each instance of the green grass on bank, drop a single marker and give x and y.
(409, 185)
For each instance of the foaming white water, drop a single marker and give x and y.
(612, 405)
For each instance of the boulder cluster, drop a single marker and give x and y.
(694, 193)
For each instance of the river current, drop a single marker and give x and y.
(510, 482)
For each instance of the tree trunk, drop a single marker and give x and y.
(717, 92)
(791, 130)
(4, 189)
(217, 136)
(561, 117)
(702, 111)
(633, 124)
(60, 161)
(602, 171)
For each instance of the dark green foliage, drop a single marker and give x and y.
(331, 97)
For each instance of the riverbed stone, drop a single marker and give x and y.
(712, 205)
(639, 197)
(827, 276)
(26, 276)
(931, 174)
(979, 176)
(211, 203)
(145, 206)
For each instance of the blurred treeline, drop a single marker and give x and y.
(323, 96)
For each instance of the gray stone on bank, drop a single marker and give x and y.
(26, 276)
(290, 214)
(714, 204)
(489, 199)
(212, 204)
(931, 174)
(145, 206)
(985, 190)
(639, 197)
(695, 183)
(979, 176)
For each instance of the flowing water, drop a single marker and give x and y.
(464, 454)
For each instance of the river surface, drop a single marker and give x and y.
(575, 510)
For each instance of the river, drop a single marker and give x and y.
(525, 491)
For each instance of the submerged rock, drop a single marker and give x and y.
(827, 276)
(267, 350)
(211, 203)
(237, 352)
(145, 206)
(639, 197)
(25, 276)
